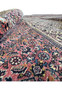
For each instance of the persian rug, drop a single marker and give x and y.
(29, 47)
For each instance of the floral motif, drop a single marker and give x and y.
(44, 56)
(37, 70)
(15, 60)
(28, 73)
(18, 69)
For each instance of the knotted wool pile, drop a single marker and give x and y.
(28, 51)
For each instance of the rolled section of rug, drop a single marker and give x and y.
(3, 26)
(12, 16)
(8, 19)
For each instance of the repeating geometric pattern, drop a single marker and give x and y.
(26, 55)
